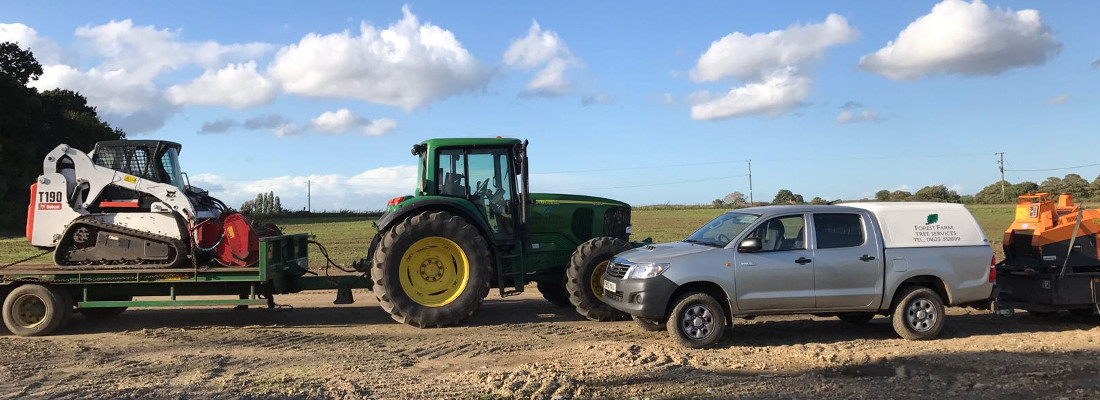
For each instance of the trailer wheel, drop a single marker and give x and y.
(35, 310)
(648, 325)
(585, 277)
(431, 270)
(918, 313)
(696, 321)
(555, 293)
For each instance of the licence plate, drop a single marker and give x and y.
(609, 285)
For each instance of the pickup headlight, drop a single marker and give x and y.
(646, 271)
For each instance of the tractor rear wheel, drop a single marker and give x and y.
(555, 293)
(431, 270)
(585, 277)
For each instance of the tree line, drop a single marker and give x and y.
(1072, 184)
(31, 124)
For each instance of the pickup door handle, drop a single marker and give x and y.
(802, 260)
(866, 258)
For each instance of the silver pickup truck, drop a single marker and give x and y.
(854, 261)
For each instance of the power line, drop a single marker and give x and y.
(651, 166)
(1053, 169)
(659, 184)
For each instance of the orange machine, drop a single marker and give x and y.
(1051, 261)
(1044, 231)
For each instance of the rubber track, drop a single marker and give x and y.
(178, 245)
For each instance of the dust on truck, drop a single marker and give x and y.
(473, 224)
(854, 261)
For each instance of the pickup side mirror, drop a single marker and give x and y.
(749, 245)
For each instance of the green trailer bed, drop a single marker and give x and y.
(30, 292)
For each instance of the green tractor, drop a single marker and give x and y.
(472, 224)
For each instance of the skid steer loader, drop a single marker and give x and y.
(126, 205)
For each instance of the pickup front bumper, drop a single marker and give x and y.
(646, 298)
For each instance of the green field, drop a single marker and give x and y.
(347, 238)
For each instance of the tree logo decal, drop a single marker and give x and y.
(932, 218)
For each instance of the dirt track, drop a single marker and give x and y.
(523, 347)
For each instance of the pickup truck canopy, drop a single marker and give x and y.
(925, 224)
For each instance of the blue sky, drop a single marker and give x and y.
(648, 103)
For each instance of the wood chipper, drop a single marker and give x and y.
(1051, 259)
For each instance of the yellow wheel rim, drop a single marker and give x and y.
(29, 311)
(596, 280)
(434, 271)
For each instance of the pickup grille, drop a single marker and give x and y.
(616, 295)
(616, 270)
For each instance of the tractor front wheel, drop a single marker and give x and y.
(555, 293)
(431, 270)
(585, 277)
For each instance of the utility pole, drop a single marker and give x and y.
(750, 183)
(1001, 166)
(309, 196)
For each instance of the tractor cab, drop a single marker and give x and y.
(489, 173)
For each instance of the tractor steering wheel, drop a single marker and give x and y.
(482, 188)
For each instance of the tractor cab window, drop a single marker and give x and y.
(485, 177)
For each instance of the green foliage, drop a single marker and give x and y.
(818, 200)
(937, 193)
(882, 195)
(992, 194)
(784, 196)
(264, 204)
(32, 124)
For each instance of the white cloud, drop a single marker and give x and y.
(128, 62)
(593, 99)
(754, 57)
(408, 65)
(368, 190)
(668, 99)
(1096, 63)
(235, 86)
(45, 50)
(781, 92)
(852, 112)
(546, 50)
(965, 39)
(1059, 99)
(864, 115)
(344, 121)
(773, 68)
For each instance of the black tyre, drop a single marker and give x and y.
(697, 321)
(856, 317)
(648, 324)
(555, 293)
(431, 270)
(1082, 312)
(585, 277)
(918, 313)
(35, 310)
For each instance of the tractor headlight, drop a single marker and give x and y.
(646, 271)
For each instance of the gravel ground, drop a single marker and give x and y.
(524, 347)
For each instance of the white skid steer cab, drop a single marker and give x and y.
(126, 205)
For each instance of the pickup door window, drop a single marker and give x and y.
(847, 262)
(781, 275)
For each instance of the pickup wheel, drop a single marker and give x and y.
(585, 277)
(35, 310)
(648, 325)
(918, 313)
(857, 318)
(697, 321)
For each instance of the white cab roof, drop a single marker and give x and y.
(906, 224)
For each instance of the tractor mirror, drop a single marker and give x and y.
(749, 245)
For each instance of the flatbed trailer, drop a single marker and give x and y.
(38, 299)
